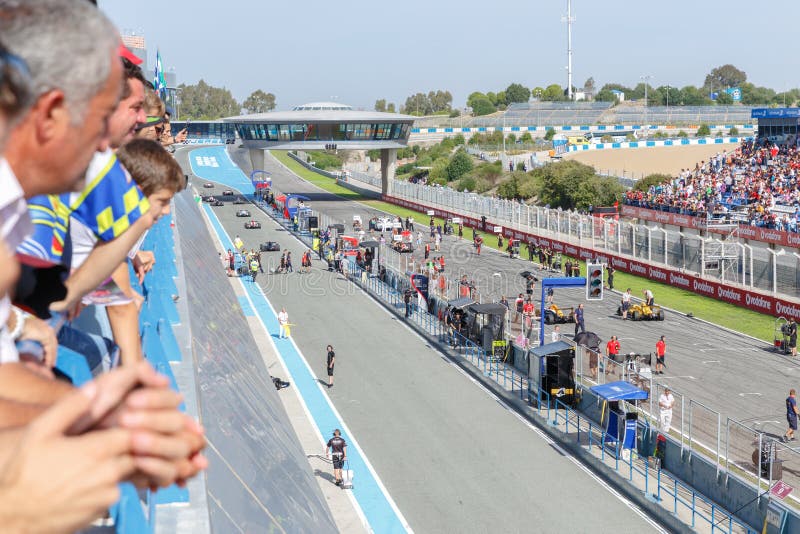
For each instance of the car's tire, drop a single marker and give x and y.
(660, 315)
(636, 315)
(549, 317)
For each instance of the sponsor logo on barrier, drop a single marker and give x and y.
(638, 269)
(558, 246)
(679, 280)
(657, 274)
(757, 301)
(660, 217)
(703, 287)
(768, 235)
(544, 242)
(569, 249)
(729, 294)
(622, 264)
(585, 254)
(787, 309)
(748, 232)
(793, 240)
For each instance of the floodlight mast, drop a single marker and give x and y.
(569, 19)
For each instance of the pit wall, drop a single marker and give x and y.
(749, 299)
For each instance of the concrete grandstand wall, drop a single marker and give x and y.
(259, 478)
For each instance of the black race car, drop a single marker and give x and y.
(270, 246)
(243, 213)
(228, 192)
(217, 202)
(208, 198)
(239, 200)
(252, 224)
(208, 185)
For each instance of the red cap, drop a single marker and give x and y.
(123, 51)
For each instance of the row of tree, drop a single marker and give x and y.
(202, 101)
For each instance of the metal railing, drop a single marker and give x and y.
(755, 267)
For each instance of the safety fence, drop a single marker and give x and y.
(510, 373)
(731, 262)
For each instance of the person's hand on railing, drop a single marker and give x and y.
(167, 443)
(58, 482)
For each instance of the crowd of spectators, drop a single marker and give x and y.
(84, 174)
(754, 184)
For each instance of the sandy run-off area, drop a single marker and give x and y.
(639, 162)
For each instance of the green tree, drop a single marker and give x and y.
(380, 105)
(511, 138)
(723, 77)
(526, 138)
(517, 93)
(390, 107)
(703, 131)
(692, 96)
(205, 102)
(669, 95)
(569, 184)
(682, 134)
(553, 93)
(724, 99)
(509, 188)
(460, 164)
(734, 131)
(473, 97)
(438, 173)
(483, 106)
(549, 134)
(259, 102)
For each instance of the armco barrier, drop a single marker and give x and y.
(734, 295)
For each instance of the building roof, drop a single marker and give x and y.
(321, 115)
(317, 106)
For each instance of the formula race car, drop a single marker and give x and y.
(381, 224)
(400, 246)
(270, 246)
(208, 185)
(239, 200)
(217, 202)
(243, 213)
(643, 312)
(252, 224)
(553, 315)
(228, 192)
(208, 198)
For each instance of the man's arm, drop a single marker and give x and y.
(124, 319)
(102, 260)
(20, 384)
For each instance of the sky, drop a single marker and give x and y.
(357, 51)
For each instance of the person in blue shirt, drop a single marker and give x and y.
(579, 325)
(791, 415)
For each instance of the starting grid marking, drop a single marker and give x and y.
(206, 161)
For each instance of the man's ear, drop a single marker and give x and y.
(51, 116)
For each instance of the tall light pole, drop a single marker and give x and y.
(646, 79)
(569, 19)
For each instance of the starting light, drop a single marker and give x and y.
(594, 281)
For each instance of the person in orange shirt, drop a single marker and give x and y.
(527, 314)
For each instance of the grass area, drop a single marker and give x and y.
(752, 323)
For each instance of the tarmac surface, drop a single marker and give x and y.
(718, 370)
(452, 457)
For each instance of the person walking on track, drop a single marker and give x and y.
(253, 268)
(331, 361)
(336, 450)
(283, 322)
(791, 415)
(579, 324)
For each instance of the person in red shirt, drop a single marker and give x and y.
(527, 314)
(441, 264)
(661, 354)
(612, 349)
